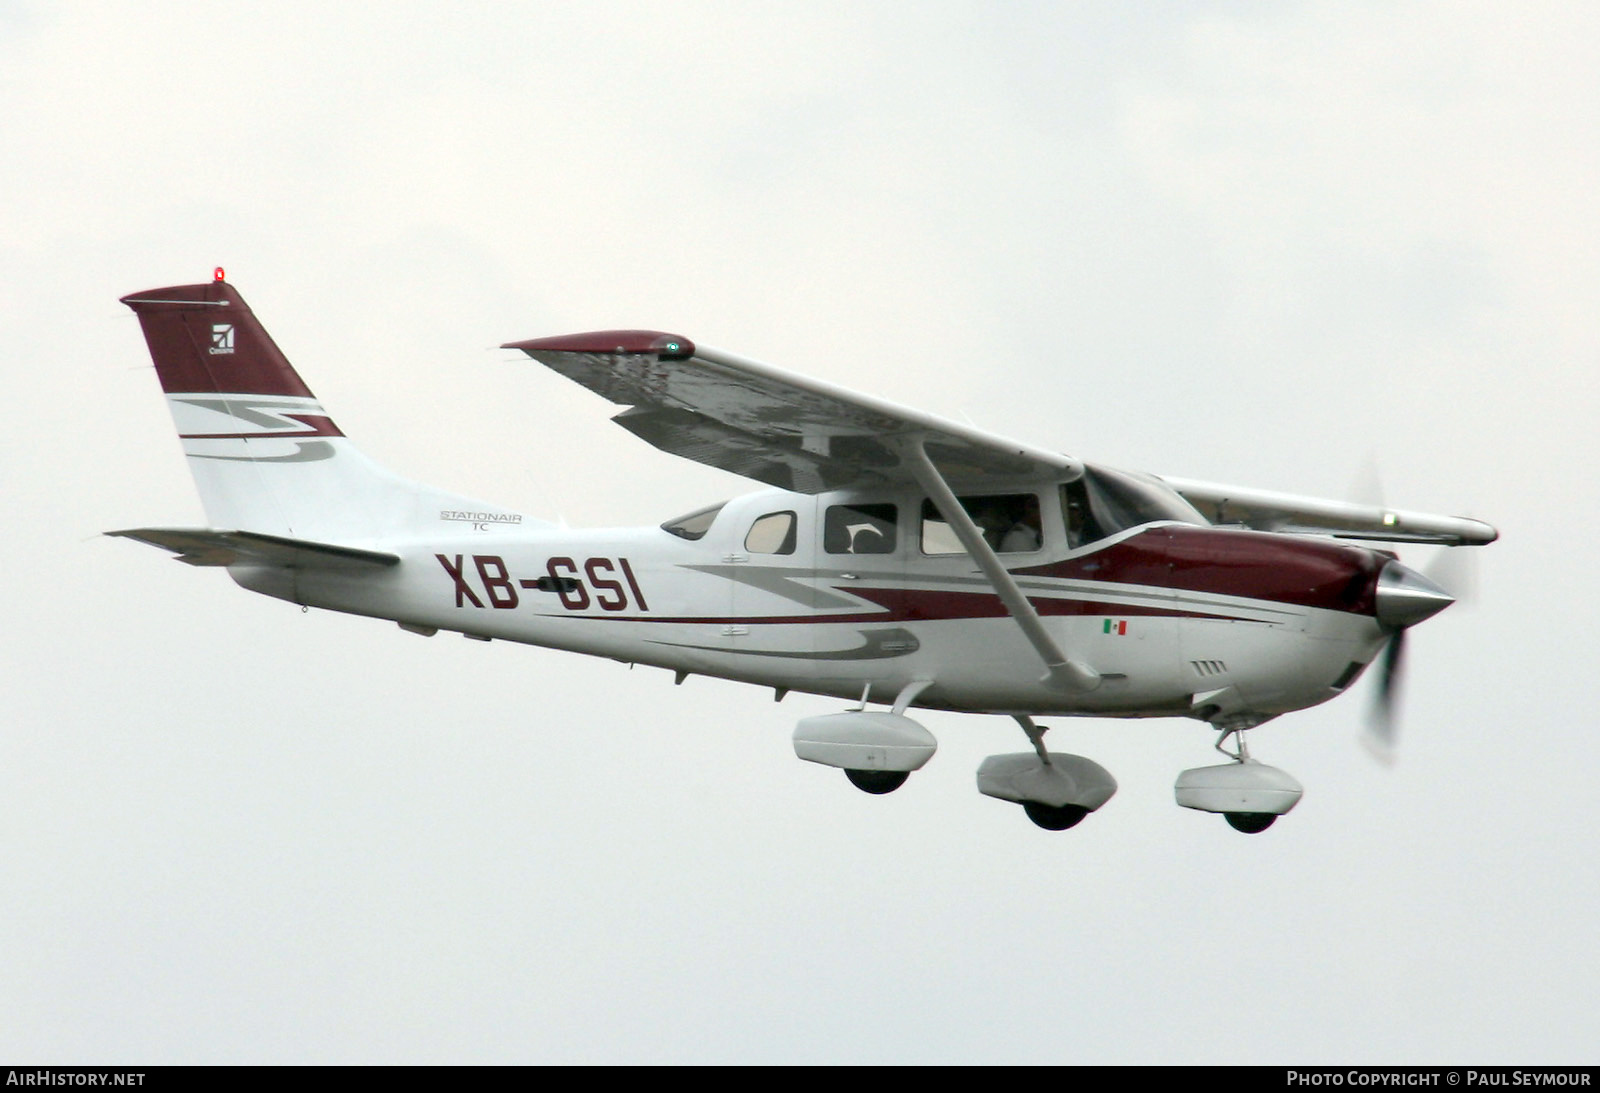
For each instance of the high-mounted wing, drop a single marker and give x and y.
(771, 425)
(1265, 510)
(804, 435)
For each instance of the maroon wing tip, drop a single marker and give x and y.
(667, 346)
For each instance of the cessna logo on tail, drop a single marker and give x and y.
(221, 338)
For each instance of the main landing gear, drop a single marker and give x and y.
(1250, 795)
(1055, 790)
(877, 751)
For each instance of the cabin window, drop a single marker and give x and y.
(1009, 523)
(859, 529)
(773, 533)
(695, 525)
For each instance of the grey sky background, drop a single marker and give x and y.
(1251, 242)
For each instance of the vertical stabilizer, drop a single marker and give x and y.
(265, 455)
(205, 340)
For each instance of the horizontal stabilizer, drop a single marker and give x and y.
(204, 546)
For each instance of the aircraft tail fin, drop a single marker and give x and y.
(204, 339)
(266, 457)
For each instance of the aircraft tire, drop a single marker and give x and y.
(1054, 817)
(877, 781)
(1251, 823)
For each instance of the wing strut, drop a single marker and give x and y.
(1061, 672)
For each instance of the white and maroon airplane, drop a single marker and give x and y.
(897, 559)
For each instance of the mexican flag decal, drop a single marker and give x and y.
(1116, 626)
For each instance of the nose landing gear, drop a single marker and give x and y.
(1250, 795)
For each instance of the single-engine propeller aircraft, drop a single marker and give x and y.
(897, 559)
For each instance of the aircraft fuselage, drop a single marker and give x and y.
(1171, 615)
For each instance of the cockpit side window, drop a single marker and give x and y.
(860, 529)
(1009, 522)
(773, 533)
(695, 525)
(1079, 517)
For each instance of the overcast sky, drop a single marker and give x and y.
(1268, 243)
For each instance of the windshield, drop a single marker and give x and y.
(1104, 502)
(695, 525)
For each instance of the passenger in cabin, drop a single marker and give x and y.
(1025, 533)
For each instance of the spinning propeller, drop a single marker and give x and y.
(1405, 598)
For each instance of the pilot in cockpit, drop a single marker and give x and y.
(1075, 506)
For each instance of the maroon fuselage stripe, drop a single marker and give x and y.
(1248, 564)
(929, 605)
(1244, 564)
(935, 605)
